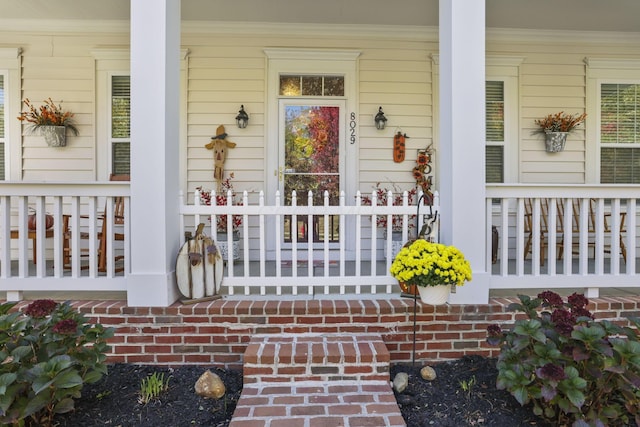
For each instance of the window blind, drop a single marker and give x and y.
(494, 153)
(120, 107)
(619, 131)
(120, 124)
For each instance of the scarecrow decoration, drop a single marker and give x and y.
(219, 145)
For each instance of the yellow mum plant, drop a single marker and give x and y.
(423, 263)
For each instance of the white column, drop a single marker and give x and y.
(155, 71)
(462, 139)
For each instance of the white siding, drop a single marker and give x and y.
(227, 70)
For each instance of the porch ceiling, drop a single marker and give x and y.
(579, 15)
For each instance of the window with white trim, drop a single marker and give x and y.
(120, 123)
(619, 133)
(501, 117)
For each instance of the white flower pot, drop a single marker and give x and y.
(434, 295)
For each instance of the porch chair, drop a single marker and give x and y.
(118, 219)
(591, 224)
(544, 226)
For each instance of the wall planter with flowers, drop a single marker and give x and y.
(50, 121)
(433, 267)
(222, 238)
(556, 127)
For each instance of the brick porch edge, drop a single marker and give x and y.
(218, 332)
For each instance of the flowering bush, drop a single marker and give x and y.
(48, 114)
(47, 353)
(382, 199)
(560, 122)
(221, 200)
(423, 263)
(574, 370)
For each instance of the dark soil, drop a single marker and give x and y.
(444, 402)
(113, 401)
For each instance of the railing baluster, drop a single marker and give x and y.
(374, 236)
(5, 237)
(310, 240)
(568, 236)
(294, 239)
(631, 235)
(58, 238)
(358, 237)
(342, 235)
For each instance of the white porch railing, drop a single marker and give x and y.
(589, 234)
(357, 262)
(588, 254)
(60, 259)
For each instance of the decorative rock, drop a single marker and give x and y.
(428, 373)
(400, 381)
(210, 385)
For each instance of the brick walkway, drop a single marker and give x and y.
(313, 380)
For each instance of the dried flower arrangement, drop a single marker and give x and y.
(221, 200)
(560, 122)
(382, 197)
(48, 114)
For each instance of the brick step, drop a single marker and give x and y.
(316, 357)
(318, 404)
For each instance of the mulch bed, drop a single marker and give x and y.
(113, 401)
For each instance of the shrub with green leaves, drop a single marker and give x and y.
(574, 370)
(47, 352)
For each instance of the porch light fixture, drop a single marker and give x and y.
(381, 120)
(242, 119)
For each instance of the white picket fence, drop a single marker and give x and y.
(358, 262)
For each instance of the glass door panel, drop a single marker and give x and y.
(311, 162)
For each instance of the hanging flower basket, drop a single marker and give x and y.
(556, 127)
(431, 265)
(54, 136)
(50, 120)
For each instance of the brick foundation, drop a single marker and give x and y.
(218, 332)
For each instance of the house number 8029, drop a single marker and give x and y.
(352, 128)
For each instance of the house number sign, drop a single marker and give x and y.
(352, 128)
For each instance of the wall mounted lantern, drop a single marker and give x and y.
(381, 120)
(242, 119)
